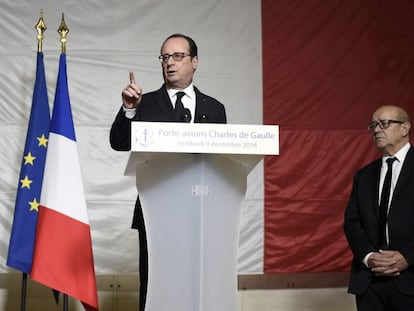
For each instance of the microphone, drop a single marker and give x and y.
(186, 115)
(203, 119)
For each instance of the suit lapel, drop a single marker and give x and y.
(406, 171)
(163, 100)
(375, 190)
(201, 107)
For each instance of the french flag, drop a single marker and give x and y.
(63, 258)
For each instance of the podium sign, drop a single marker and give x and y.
(205, 138)
(192, 179)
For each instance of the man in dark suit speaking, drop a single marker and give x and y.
(379, 219)
(178, 100)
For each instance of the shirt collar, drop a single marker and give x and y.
(189, 91)
(400, 155)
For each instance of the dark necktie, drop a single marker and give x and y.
(179, 107)
(183, 114)
(383, 207)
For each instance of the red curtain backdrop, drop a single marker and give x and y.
(327, 65)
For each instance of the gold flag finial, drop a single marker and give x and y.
(40, 27)
(63, 31)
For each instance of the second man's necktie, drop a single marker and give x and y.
(383, 207)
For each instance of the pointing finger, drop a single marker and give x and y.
(131, 77)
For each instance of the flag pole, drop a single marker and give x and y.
(63, 31)
(40, 28)
(65, 302)
(24, 290)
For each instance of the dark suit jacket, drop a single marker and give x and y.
(361, 218)
(156, 107)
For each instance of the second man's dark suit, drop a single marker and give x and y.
(156, 106)
(361, 220)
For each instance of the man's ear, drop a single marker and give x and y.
(195, 62)
(406, 127)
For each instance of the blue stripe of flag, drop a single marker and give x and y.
(62, 114)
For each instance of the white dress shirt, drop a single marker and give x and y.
(189, 100)
(396, 170)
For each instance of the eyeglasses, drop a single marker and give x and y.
(177, 56)
(383, 124)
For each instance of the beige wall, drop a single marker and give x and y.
(120, 293)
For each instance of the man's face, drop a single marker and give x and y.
(389, 138)
(178, 74)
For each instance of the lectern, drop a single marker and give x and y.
(191, 204)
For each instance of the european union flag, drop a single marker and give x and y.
(31, 175)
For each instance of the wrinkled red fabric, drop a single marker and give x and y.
(327, 65)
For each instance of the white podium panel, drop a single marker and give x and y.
(191, 179)
(191, 205)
